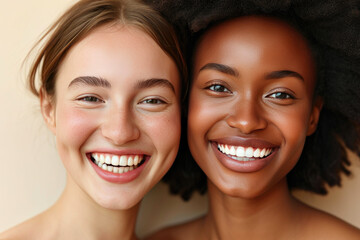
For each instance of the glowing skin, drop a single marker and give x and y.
(132, 110)
(252, 88)
(251, 107)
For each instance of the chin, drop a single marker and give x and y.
(118, 202)
(243, 191)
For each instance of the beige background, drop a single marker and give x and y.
(31, 174)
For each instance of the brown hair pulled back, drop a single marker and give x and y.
(86, 15)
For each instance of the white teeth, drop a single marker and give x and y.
(257, 153)
(130, 161)
(262, 153)
(136, 160)
(232, 151)
(123, 161)
(266, 152)
(116, 169)
(115, 160)
(240, 152)
(244, 152)
(249, 152)
(104, 166)
(221, 147)
(227, 150)
(107, 159)
(102, 158)
(115, 163)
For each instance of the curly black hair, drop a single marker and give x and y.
(332, 29)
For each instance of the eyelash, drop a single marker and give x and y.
(218, 88)
(151, 101)
(281, 95)
(90, 99)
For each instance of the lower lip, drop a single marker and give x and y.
(118, 177)
(242, 166)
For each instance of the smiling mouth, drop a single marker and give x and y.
(240, 153)
(117, 163)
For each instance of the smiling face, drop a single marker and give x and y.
(116, 114)
(251, 104)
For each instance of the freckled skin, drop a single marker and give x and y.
(253, 204)
(123, 56)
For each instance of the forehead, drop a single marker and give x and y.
(255, 39)
(118, 52)
(114, 43)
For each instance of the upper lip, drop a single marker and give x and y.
(244, 142)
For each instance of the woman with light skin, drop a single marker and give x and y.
(266, 114)
(110, 89)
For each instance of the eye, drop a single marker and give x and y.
(281, 95)
(218, 88)
(154, 104)
(153, 101)
(90, 99)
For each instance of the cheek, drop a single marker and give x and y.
(164, 130)
(202, 117)
(293, 127)
(205, 116)
(196, 112)
(74, 126)
(199, 114)
(295, 121)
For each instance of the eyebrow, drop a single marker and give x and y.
(283, 74)
(91, 81)
(221, 68)
(100, 82)
(233, 72)
(152, 82)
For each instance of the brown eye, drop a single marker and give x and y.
(153, 104)
(218, 88)
(153, 101)
(92, 99)
(281, 95)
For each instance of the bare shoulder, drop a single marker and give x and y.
(29, 229)
(321, 225)
(188, 231)
(18, 232)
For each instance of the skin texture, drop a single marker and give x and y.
(253, 86)
(130, 114)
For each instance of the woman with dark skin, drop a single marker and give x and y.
(262, 119)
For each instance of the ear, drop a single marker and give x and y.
(48, 110)
(315, 114)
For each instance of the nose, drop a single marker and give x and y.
(119, 127)
(247, 116)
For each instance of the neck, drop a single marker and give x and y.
(271, 214)
(77, 216)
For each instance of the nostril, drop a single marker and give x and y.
(120, 130)
(247, 124)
